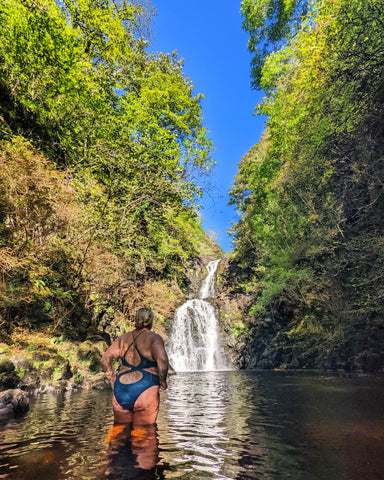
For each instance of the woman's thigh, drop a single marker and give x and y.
(120, 414)
(146, 407)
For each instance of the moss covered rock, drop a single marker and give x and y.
(91, 355)
(6, 366)
(8, 376)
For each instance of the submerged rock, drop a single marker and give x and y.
(13, 402)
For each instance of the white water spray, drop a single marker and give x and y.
(194, 342)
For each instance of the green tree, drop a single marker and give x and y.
(76, 79)
(270, 24)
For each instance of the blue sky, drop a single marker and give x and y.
(208, 35)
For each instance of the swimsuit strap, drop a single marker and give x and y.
(134, 341)
(144, 362)
(124, 361)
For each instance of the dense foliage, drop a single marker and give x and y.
(310, 192)
(270, 24)
(102, 145)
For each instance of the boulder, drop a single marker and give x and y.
(8, 375)
(13, 402)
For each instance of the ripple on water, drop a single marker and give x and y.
(216, 425)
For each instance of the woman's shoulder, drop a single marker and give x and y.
(124, 337)
(156, 337)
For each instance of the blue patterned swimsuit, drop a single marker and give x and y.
(127, 394)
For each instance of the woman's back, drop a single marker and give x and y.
(143, 370)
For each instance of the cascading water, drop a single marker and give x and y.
(207, 288)
(194, 342)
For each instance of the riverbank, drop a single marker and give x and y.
(37, 362)
(280, 338)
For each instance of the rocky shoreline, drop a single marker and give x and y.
(37, 364)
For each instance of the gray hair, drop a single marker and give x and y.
(144, 318)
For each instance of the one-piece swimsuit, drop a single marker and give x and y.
(127, 394)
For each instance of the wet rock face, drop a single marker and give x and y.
(8, 376)
(232, 304)
(13, 402)
(193, 279)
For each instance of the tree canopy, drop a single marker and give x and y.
(270, 24)
(76, 79)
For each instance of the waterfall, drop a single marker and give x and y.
(194, 342)
(208, 286)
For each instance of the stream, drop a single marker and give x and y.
(217, 425)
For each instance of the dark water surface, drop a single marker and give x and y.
(216, 425)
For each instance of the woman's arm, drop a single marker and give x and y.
(161, 357)
(107, 359)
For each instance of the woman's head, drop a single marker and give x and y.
(144, 318)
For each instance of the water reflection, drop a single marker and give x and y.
(207, 417)
(216, 425)
(274, 425)
(319, 427)
(61, 438)
(132, 453)
(195, 412)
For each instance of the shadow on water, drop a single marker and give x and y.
(212, 425)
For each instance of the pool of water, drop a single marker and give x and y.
(212, 425)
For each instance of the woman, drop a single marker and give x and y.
(143, 372)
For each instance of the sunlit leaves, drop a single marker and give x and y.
(76, 79)
(270, 23)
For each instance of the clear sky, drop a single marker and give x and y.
(207, 34)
